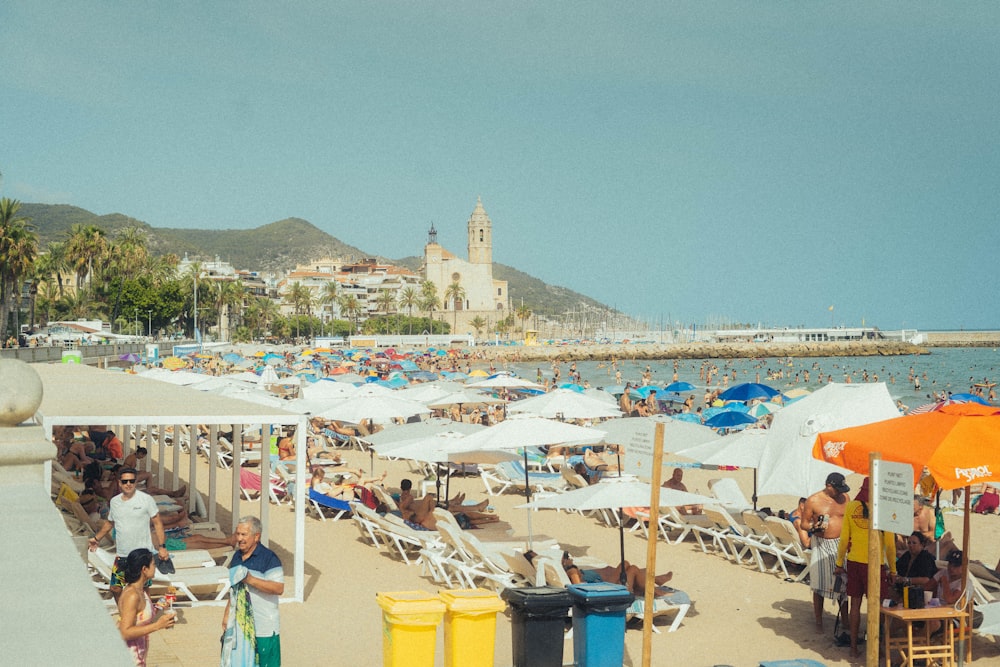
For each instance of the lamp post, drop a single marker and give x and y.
(195, 332)
(149, 322)
(136, 329)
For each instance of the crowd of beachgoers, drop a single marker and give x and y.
(442, 382)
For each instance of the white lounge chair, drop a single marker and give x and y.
(197, 584)
(789, 546)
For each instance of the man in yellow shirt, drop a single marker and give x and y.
(854, 545)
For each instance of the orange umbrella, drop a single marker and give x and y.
(959, 443)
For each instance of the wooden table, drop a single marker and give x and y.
(920, 647)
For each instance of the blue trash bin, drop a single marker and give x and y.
(599, 624)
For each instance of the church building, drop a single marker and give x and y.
(483, 297)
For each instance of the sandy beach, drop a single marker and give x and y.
(740, 616)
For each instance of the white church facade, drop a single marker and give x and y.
(484, 297)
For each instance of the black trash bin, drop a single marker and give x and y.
(538, 617)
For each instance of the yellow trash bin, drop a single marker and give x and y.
(470, 627)
(409, 627)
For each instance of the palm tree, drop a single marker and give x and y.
(523, 314)
(85, 245)
(385, 301)
(126, 257)
(80, 305)
(329, 294)
(455, 294)
(55, 264)
(409, 298)
(350, 306)
(478, 324)
(225, 293)
(300, 299)
(429, 300)
(18, 248)
(48, 296)
(194, 279)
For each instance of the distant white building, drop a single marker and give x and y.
(364, 280)
(485, 297)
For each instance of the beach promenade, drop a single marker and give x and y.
(740, 615)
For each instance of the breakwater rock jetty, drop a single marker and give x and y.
(702, 351)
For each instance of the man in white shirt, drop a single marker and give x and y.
(131, 513)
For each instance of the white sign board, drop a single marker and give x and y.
(892, 496)
(639, 452)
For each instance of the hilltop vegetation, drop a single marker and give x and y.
(280, 246)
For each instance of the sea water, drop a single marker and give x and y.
(944, 370)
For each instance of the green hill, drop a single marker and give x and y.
(280, 246)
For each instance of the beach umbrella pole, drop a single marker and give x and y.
(960, 658)
(527, 497)
(621, 544)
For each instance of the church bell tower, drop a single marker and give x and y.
(480, 236)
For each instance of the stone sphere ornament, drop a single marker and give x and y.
(20, 392)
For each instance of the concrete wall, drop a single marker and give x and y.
(962, 338)
(94, 355)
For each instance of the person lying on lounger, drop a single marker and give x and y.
(635, 577)
(339, 489)
(421, 511)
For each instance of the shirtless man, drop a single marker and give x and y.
(676, 483)
(422, 511)
(822, 517)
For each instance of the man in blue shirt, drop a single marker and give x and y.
(265, 581)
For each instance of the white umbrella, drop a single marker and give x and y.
(565, 404)
(326, 389)
(743, 449)
(787, 465)
(508, 381)
(267, 376)
(443, 447)
(368, 404)
(600, 395)
(532, 432)
(616, 495)
(466, 397)
(182, 378)
(677, 435)
(527, 432)
(402, 432)
(426, 392)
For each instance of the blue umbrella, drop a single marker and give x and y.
(687, 417)
(679, 386)
(968, 398)
(730, 419)
(232, 358)
(570, 385)
(747, 391)
(708, 413)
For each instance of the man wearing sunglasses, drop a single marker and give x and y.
(131, 513)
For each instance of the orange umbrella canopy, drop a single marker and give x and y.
(959, 443)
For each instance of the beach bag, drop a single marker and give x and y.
(366, 496)
(987, 503)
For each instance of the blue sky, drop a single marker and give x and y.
(757, 162)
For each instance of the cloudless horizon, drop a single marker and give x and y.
(752, 162)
